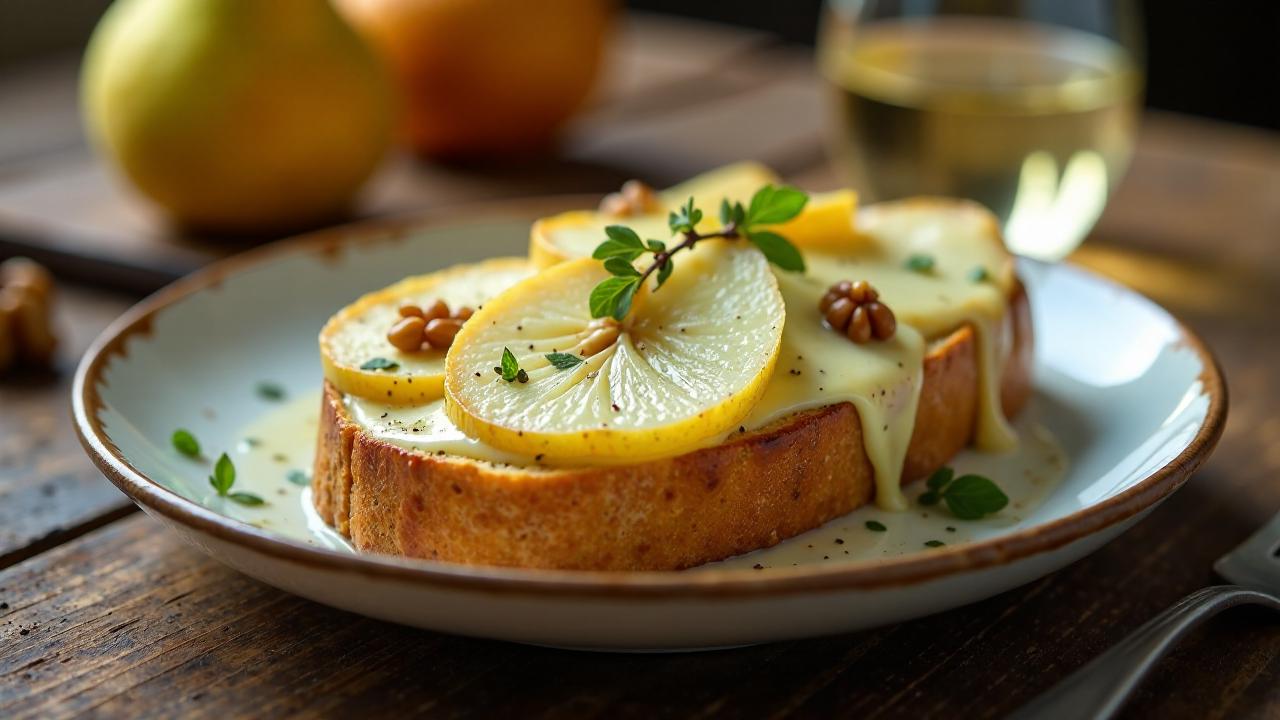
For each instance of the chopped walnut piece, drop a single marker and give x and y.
(635, 198)
(26, 334)
(854, 309)
(431, 328)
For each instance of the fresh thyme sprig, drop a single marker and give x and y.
(769, 206)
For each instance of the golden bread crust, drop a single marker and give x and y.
(749, 492)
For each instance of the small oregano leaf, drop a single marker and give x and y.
(186, 443)
(624, 235)
(379, 363)
(664, 272)
(620, 267)
(564, 361)
(771, 205)
(510, 368)
(246, 498)
(921, 263)
(608, 295)
(969, 497)
(777, 250)
(614, 249)
(270, 391)
(940, 478)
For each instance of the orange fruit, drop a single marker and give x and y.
(485, 77)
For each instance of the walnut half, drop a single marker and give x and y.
(26, 334)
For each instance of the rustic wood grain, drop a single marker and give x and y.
(49, 491)
(127, 622)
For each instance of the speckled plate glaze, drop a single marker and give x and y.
(1132, 402)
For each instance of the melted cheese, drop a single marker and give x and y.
(818, 367)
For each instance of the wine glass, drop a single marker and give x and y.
(1029, 107)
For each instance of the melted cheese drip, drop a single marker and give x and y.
(425, 428)
(818, 367)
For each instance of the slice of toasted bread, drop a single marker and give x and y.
(750, 492)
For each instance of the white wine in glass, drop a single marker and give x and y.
(1034, 119)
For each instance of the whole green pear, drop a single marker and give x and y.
(242, 116)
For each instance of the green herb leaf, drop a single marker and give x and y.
(612, 249)
(623, 243)
(624, 235)
(620, 267)
(664, 272)
(564, 361)
(224, 475)
(940, 478)
(510, 366)
(686, 219)
(612, 297)
(732, 213)
(298, 477)
(656, 245)
(970, 497)
(185, 443)
(270, 391)
(246, 498)
(934, 543)
(777, 250)
(875, 526)
(772, 205)
(921, 263)
(979, 275)
(379, 363)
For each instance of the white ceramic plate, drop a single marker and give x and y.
(1133, 400)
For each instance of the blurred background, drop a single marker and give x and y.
(185, 130)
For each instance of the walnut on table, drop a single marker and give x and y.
(26, 332)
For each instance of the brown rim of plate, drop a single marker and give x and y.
(863, 575)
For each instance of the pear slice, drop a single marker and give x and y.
(827, 223)
(679, 372)
(575, 234)
(359, 360)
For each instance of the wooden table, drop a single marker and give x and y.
(102, 612)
